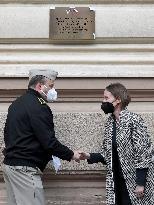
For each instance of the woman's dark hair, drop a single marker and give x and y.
(36, 79)
(119, 92)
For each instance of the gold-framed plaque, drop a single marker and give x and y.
(72, 23)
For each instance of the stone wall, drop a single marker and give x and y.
(81, 131)
(122, 51)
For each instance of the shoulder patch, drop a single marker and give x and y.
(41, 101)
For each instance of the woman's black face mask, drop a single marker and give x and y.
(107, 107)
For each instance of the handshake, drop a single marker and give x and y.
(80, 155)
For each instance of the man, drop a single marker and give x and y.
(30, 140)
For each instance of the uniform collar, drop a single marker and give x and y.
(33, 92)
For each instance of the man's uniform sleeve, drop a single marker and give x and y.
(42, 124)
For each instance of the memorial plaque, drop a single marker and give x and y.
(72, 23)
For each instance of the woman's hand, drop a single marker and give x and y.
(139, 191)
(84, 155)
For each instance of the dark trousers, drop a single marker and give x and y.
(121, 192)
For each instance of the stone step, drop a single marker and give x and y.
(68, 193)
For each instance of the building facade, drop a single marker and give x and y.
(122, 51)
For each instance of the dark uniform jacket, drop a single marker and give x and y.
(29, 133)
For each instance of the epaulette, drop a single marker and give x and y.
(41, 101)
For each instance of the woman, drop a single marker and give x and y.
(127, 152)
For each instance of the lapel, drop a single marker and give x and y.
(123, 131)
(108, 139)
(109, 132)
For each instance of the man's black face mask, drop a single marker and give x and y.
(107, 107)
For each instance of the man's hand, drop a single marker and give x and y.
(76, 156)
(139, 191)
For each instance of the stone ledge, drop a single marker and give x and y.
(119, 60)
(81, 70)
(15, 86)
(65, 176)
